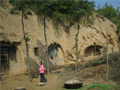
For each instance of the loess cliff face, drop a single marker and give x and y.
(92, 40)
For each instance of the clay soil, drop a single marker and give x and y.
(11, 82)
(88, 76)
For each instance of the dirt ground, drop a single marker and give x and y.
(10, 82)
(88, 76)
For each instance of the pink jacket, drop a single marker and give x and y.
(41, 69)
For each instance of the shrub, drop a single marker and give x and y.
(115, 67)
(114, 62)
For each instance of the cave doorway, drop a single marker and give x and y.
(7, 54)
(55, 50)
(94, 50)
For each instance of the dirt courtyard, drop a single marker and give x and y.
(11, 82)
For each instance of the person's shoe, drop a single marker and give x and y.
(46, 81)
(41, 83)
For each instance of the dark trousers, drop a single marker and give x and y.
(43, 79)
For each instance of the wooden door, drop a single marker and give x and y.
(4, 63)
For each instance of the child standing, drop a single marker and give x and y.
(41, 69)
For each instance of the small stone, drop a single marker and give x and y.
(20, 88)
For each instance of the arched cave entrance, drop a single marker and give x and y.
(55, 50)
(93, 50)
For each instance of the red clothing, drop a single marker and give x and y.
(41, 69)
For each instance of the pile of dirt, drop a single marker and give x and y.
(92, 71)
(89, 75)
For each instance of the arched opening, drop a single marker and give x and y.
(55, 50)
(93, 50)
